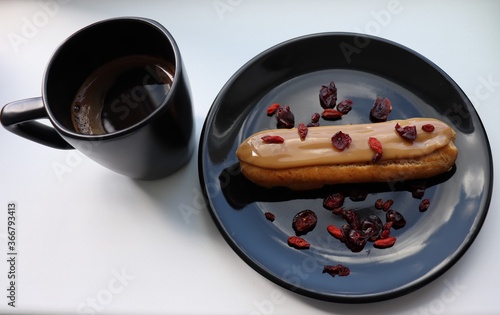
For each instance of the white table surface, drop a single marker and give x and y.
(91, 241)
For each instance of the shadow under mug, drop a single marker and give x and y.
(154, 147)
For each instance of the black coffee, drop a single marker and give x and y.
(121, 93)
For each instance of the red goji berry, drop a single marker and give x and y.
(272, 109)
(385, 242)
(376, 146)
(298, 242)
(331, 114)
(272, 139)
(335, 232)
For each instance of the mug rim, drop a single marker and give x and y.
(57, 53)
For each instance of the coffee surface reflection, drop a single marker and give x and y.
(121, 93)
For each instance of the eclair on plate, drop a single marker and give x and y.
(313, 161)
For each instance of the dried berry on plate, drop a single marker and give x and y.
(270, 216)
(304, 222)
(344, 106)
(328, 95)
(337, 270)
(380, 110)
(333, 201)
(331, 114)
(272, 109)
(298, 242)
(285, 118)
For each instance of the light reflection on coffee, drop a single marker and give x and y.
(121, 93)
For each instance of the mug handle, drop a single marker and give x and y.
(20, 117)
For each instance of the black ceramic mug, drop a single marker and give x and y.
(150, 148)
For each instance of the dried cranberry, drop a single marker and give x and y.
(285, 118)
(272, 109)
(407, 132)
(272, 139)
(341, 140)
(356, 240)
(397, 219)
(344, 107)
(418, 191)
(379, 204)
(358, 194)
(298, 242)
(384, 234)
(428, 127)
(387, 204)
(380, 110)
(304, 221)
(338, 211)
(334, 201)
(385, 242)
(331, 114)
(328, 95)
(270, 216)
(424, 205)
(315, 117)
(376, 146)
(302, 130)
(352, 219)
(337, 270)
(372, 226)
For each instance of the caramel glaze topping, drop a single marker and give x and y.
(317, 148)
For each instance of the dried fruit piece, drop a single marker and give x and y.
(315, 117)
(331, 114)
(272, 109)
(407, 132)
(337, 270)
(335, 231)
(381, 109)
(298, 242)
(376, 146)
(397, 219)
(334, 201)
(338, 211)
(302, 130)
(424, 205)
(345, 106)
(270, 216)
(379, 204)
(304, 221)
(272, 139)
(352, 219)
(328, 95)
(312, 124)
(385, 242)
(428, 127)
(418, 191)
(341, 140)
(387, 204)
(356, 240)
(358, 194)
(285, 118)
(384, 234)
(372, 226)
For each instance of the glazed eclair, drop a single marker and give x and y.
(311, 162)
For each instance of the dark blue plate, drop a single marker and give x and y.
(362, 67)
